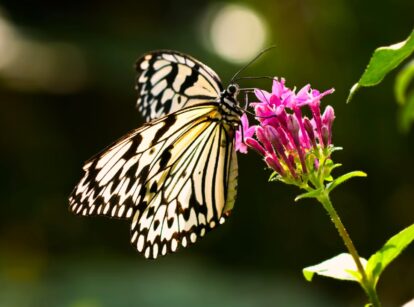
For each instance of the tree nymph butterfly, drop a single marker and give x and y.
(174, 178)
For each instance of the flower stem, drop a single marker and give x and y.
(368, 286)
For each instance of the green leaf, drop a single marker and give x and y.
(383, 60)
(406, 114)
(394, 246)
(274, 176)
(402, 81)
(341, 179)
(340, 267)
(352, 92)
(335, 148)
(310, 194)
(336, 165)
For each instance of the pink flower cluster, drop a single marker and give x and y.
(284, 136)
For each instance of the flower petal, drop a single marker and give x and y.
(262, 95)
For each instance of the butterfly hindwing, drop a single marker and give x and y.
(174, 179)
(168, 81)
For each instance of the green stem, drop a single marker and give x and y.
(365, 282)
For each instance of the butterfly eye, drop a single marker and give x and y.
(231, 89)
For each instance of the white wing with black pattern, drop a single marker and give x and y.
(168, 81)
(174, 179)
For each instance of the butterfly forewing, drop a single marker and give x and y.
(174, 178)
(168, 81)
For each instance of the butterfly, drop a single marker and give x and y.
(175, 177)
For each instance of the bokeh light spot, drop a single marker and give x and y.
(28, 64)
(237, 33)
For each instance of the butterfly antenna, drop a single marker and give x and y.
(255, 78)
(251, 62)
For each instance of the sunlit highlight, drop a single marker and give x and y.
(237, 33)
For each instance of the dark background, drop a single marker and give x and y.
(66, 91)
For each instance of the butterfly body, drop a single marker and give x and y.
(175, 177)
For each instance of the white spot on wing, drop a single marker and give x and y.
(147, 252)
(174, 245)
(180, 59)
(155, 250)
(129, 213)
(121, 210)
(183, 72)
(190, 63)
(168, 94)
(157, 89)
(134, 236)
(169, 57)
(140, 243)
(135, 219)
(201, 219)
(106, 209)
(160, 74)
(184, 242)
(113, 212)
(144, 65)
(160, 63)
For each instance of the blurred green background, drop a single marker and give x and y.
(66, 91)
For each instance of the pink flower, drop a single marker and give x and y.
(284, 137)
(246, 132)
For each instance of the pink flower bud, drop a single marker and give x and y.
(328, 116)
(275, 139)
(327, 121)
(283, 138)
(273, 162)
(252, 143)
(325, 135)
(292, 125)
(309, 130)
(261, 136)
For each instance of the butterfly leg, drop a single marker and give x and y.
(246, 100)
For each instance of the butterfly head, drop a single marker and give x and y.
(229, 103)
(232, 90)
